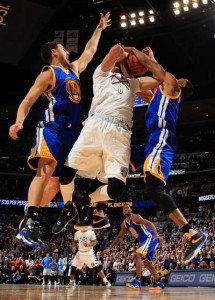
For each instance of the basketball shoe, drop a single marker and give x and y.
(30, 234)
(69, 213)
(85, 218)
(99, 222)
(29, 230)
(134, 284)
(107, 284)
(95, 222)
(158, 286)
(194, 244)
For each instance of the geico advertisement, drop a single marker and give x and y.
(192, 278)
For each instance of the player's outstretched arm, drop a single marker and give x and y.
(90, 49)
(117, 239)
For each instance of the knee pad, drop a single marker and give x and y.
(73, 270)
(155, 191)
(98, 268)
(116, 187)
(66, 175)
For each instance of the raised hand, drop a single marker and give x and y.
(148, 51)
(104, 21)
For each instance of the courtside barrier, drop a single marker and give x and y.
(122, 277)
(200, 277)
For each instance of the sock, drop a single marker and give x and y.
(68, 205)
(33, 213)
(104, 279)
(187, 229)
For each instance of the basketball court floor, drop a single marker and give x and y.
(36, 292)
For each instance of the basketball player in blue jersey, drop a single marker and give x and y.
(161, 117)
(57, 130)
(146, 233)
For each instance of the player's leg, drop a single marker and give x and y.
(29, 229)
(157, 284)
(92, 261)
(77, 263)
(101, 274)
(69, 212)
(196, 239)
(156, 171)
(51, 189)
(113, 190)
(135, 282)
(85, 157)
(72, 277)
(147, 254)
(116, 158)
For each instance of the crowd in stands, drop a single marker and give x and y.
(22, 264)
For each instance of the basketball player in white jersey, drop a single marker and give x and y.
(86, 240)
(103, 147)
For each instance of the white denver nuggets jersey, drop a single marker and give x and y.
(84, 237)
(114, 95)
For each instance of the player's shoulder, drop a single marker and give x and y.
(136, 217)
(91, 232)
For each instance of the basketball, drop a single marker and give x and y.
(135, 67)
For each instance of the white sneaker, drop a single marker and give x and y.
(107, 284)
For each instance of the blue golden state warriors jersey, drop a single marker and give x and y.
(162, 112)
(64, 98)
(139, 231)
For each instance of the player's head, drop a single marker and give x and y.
(54, 50)
(46, 51)
(126, 209)
(122, 70)
(187, 88)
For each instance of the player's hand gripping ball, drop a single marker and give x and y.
(135, 67)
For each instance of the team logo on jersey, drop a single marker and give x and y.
(119, 81)
(124, 171)
(133, 231)
(74, 90)
(83, 239)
